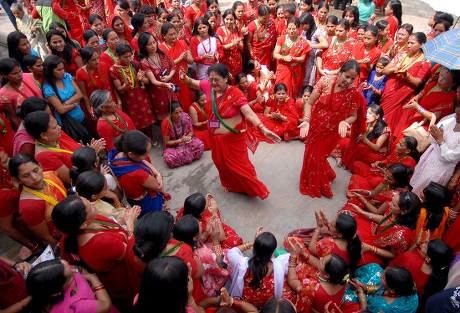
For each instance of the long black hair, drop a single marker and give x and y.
(142, 43)
(68, 216)
(45, 284)
(401, 174)
(440, 256)
(152, 233)
(379, 125)
(195, 205)
(186, 229)
(435, 202)
(410, 205)
(202, 20)
(83, 159)
(264, 246)
(337, 269)
(163, 286)
(49, 65)
(307, 19)
(396, 6)
(400, 280)
(12, 41)
(345, 225)
(66, 55)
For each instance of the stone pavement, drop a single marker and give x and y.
(278, 166)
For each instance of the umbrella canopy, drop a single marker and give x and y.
(449, 6)
(444, 49)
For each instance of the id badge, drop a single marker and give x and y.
(214, 124)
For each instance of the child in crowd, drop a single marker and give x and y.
(376, 82)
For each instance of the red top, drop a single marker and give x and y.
(413, 262)
(393, 21)
(107, 59)
(361, 53)
(98, 80)
(53, 160)
(322, 297)
(192, 15)
(72, 67)
(109, 133)
(228, 104)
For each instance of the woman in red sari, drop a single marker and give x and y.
(227, 129)
(251, 91)
(394, 12)
(101, 244)
(160, 70)
(261, 37)
(180, 53)
(232, 42)
(280, 115)
(93, 76)
(400, 43)
(384, 42)
(339, 105)
(341, 49)
(406, 72)
(367, 53)
(197, 9)
(204, 208)
(371, 146)
(111, 40)
(128, 81)
(119, 26)
(435, 101)
(368, 176)
(387, 231)
(41, 191)
(291, 51)
(200, 119)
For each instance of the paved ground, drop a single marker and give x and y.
(277, 165)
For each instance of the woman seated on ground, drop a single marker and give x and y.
(99, 242)
(60, 89)
(85, 159)
(396, 179)
(280, 115)
(368, 177)
(41, 191)
(112, 122)
(200, 119)
(344, 242)
(252, 92)
(23, 142)
(141, 181)
(210, 262)
(53, 148)
(429, 266)
(153, 239)
(373, 145)
(387, 231)
(259, 278)
(316, 286)
(205, 208)
(55, 287)
(433, 215)
(376, 290)
(177, 130)
(166, 286)
(92, 185)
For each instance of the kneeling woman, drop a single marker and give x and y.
(280, 115)
(141, 181)
(180, 146)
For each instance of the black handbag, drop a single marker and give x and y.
(75, 129)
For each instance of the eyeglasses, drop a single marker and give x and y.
(215, 79)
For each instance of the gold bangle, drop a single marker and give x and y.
(187, 80)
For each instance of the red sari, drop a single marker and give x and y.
(398, 92)
(231, 237)
(334, 59)
(201, 132)
(291, 73)
(365, 178)
(393, 21)
(192, 15)
(385, 44)
(27, 89)
(230, 151)
(435, 101)
(73, 19)
(104, 253)
(361, 53)
(160, 97)
(285, 129)
(135, 100)
(110, 131)
(98, 80)
(263, 41)
(358, 151)
(328, 111)
(52, 160)
(397, 238)
(413, 262)
(231, 57)
(251, 94)
(250, 12)
(185, 95)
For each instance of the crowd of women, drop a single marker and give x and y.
(85, 82)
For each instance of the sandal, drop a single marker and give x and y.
(155, 144)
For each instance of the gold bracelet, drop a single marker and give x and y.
(187, 80)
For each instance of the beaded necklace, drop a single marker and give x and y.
(91, 79)
(132, 78)
(110, 53)
(334, 45)
(257, 31)
(119, 118)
